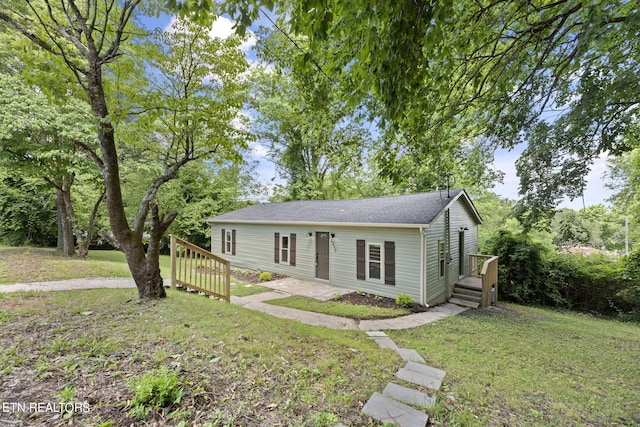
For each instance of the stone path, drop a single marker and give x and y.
(400, 405)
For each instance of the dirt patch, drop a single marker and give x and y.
(360, 298)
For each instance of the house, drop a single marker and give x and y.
(416, 244)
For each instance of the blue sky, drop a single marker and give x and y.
(595, 192)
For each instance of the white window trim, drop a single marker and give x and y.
(228, 242)
(381, 261)
(282, 248)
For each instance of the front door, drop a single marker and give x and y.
(322, 255)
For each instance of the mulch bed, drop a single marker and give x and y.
(360, 298)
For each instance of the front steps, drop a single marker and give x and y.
(467, 292)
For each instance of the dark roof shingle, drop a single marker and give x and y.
(419, 208)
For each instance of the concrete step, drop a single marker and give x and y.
(464, 303)
(409, 396)
(468, 297)
(423, 375)
(387, 410)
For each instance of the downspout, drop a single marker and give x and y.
(423, 265)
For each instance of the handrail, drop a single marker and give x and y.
(488, 272)
(198, 269)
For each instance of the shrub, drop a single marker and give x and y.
(265, 276)
(158, 388)
(404, 300)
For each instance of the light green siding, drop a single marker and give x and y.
(416, 254)
(255, 250)
(458, 216)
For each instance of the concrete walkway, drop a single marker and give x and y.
(281, 288)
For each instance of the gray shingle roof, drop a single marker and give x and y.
(419, 208)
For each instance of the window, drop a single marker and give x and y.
(441, 257)
(284, 249)
(229, 242)
(374, 261)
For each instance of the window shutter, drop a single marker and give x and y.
(233, 242)
(276, 248)
(224, 233)
(292, 250)
(360, 260)
(389, 263)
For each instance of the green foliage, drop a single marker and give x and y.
(631, 294)
(404, 300)
(159, 388)
(27, 211)
(315, 141)
(265, 276)
(529, 273)
(520, 264)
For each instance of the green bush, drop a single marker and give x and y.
(265, 276)
(158, 388)
(530, 274)
(404, 300)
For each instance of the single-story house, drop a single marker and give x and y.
(416, 244)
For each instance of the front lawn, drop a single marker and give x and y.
(338, 308)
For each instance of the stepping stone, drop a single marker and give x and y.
(385, 342)
(339, 425)
(409, 355)
(427, 370)
(376, 334)
(386, 410)
(423, 375)
(409, 396)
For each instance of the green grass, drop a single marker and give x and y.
(337, 308)
(235, 364)
(528, 366)
(242, 289)
(43, 264)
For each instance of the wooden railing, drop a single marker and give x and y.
(198, 269)
(485, 267)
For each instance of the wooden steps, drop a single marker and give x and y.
(467, 292)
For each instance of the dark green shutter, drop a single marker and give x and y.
(360, 260)
(276, 248)
(292, 250)
(223, 242)
(233, 242)
(389, 263)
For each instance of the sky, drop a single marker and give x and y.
(504, 160)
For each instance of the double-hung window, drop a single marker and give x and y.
(375, 261)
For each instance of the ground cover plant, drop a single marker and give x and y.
(24, 264)
(230, 365)
(340, 307)
(193, 360)
(514, 365)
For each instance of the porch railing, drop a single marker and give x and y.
(195, 268)
(486, 268)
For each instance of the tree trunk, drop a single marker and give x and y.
(59, 216)
(68, 242)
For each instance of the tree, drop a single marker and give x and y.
(89, 37)
(36, 140)
(301, 116)
(558, 75)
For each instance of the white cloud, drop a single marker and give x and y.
(222, 28)
(259, 150)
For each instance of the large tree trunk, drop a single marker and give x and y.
(64, 224)
(145, 268)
